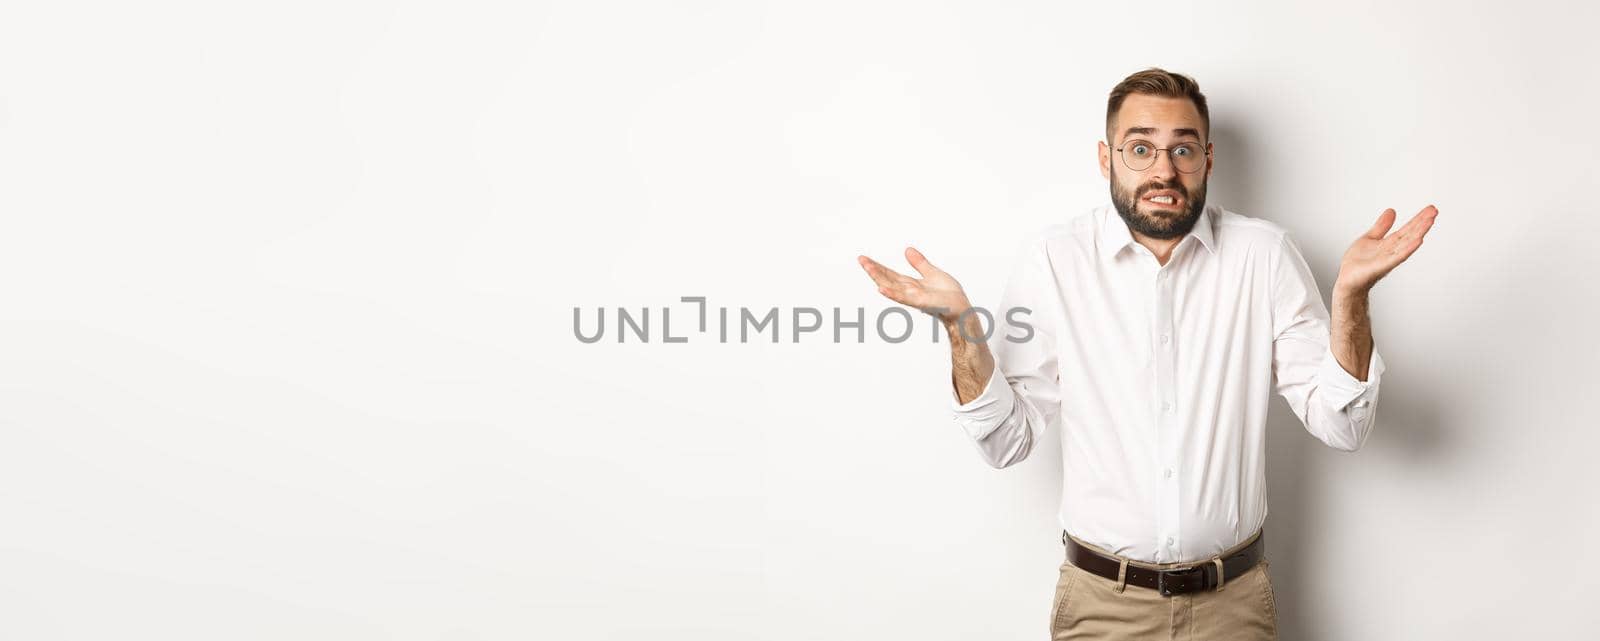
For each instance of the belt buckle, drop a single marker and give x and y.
(1161, 578)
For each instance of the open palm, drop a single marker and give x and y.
(937, 293)
(1377, 252)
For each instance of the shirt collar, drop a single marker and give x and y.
(1115, 237)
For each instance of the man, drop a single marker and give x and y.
(1157, 337)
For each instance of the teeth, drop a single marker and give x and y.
(1165, 200)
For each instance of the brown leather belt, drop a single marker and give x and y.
(1194, 578)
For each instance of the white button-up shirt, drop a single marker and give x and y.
(1159, 378)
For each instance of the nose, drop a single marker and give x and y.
(1165, 166)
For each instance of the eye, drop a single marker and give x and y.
(1140, 149)
(1183, 150)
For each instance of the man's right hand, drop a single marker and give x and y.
(937, 293)
(940, 295)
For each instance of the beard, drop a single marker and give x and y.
(1158, 221)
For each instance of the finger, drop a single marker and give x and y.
(1405, 251)
(1413, 229)
(883, 276)
(1381, 227)
(1424, 216)
(874, 270)
(1402, 246)
(1425, 219)
(920, 263)
(890, 285)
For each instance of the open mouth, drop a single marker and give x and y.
(1163, 199)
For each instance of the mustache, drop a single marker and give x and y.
(1177, 187)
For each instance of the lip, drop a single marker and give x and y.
(1177, 199)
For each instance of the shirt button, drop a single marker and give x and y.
(1165, 338)
(1169, 541)
(1166, 407)
(1167, 473)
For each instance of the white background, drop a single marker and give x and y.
(288, 289)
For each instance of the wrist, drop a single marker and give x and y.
(1349, 290)
(964, 328)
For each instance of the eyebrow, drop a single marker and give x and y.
(1176, 133)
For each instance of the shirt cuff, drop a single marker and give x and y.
(1339, 389)
(982, 414)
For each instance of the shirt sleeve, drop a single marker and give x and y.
(1022, 397)
(1334, 406)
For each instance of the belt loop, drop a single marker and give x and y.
(1221, 580)
(1122, 575)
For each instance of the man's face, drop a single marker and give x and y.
(1165, 122)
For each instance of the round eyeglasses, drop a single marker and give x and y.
(1139, 155)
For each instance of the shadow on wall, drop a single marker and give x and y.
(1299, 467)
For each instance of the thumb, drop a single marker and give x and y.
(1385, 221)
(920, 263)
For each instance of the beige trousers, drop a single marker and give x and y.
(1089, 606)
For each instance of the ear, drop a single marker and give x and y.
(1105, 161)
(1211, 158)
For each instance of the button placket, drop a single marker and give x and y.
(1167, 427)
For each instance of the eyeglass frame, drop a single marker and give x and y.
(1205, 152)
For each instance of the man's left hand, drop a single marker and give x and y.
(1374, 254)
